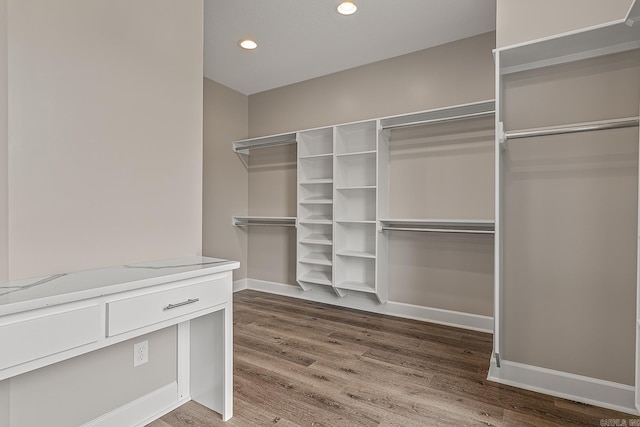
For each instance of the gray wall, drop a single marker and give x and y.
(225, 181)
(454, 73)
(104, 168)
(105, 125)
(77, 390)
(437, 271)
(442, 171)
(518, 21)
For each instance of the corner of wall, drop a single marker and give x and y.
(225, 174)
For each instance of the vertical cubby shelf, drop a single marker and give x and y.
(357, 202)
(315, 208)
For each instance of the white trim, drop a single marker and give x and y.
(366, 302)
(593, 391)
(184, 360)
(136, 413)
(240, 285)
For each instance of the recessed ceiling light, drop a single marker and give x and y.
(347, 8)
(248, 44)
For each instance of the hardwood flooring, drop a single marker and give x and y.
(298, 363)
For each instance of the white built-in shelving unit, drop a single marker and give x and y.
(360, 169)
(314, 265)
(619, 36)
(343, 191)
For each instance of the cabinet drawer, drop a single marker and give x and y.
(136, 312)
(24, 338)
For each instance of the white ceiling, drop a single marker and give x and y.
(302, 39)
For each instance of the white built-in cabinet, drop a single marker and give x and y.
(339, 171)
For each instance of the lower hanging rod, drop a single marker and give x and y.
(264, 224)
(575, 128)
(440, 230)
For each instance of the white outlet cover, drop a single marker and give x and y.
(140, 353)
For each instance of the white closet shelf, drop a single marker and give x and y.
(316, 156)
(317, 258)
(618, 36)
(355, 221)
(357, 254)
(441, 115)
(358, 153)
(317, 239)
(317, 222)
(317, 181)
(317, 277)
(316, 219)
(357, 286)
(471, 226)
(356, 187)
(285, 221)
(317, 200)
(243, 146)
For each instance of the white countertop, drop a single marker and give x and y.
(29, 294)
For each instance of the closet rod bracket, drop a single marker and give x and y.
(502, 136)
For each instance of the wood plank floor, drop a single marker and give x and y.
(298, 363)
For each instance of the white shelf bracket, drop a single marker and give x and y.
(341, 292)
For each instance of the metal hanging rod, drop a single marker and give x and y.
(440, 230)
(264, 221)
(265, 224)
(574, 128)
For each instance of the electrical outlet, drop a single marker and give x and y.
(140, 353)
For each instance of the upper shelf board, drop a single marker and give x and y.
(619, 36)
(440, 115)
(243, 146)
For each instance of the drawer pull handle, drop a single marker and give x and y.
(180, 304)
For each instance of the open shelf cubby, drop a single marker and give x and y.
(356, 138)
(354, 273)
(356, 170)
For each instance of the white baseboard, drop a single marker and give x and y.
(606, 394)
(240, 285)
(142, 411)
(365, 302)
